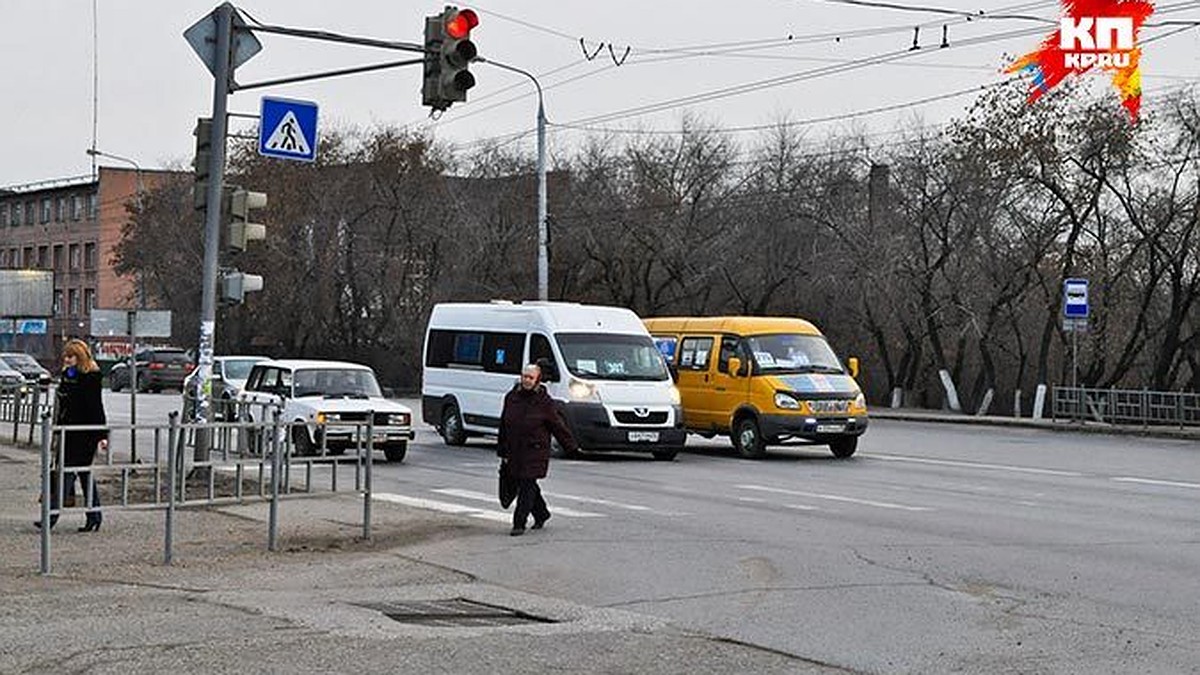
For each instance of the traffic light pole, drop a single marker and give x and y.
(212, 223)
(543, 253)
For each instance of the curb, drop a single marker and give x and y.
(1086, 427)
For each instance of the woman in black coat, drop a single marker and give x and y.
(79, 402)
(528, 420)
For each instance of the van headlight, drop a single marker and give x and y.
(786, 401)
(675, 399)
(583, 391)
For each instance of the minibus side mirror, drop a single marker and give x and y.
(852, 362)
(735, 367)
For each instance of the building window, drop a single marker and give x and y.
(76, 207)
(89, 256)
(73, 297)
(58, 257)
(30, 212)
(45, 210)
(14, 214)
(3, 257)
(60, 209)
(93, 206)
(89, 300)
(58, 303)
(27, 262)
(75, 260)
(43, 257)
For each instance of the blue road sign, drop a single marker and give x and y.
(287, 129)
(1075, 298)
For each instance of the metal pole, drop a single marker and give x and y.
(169, 533)
(45, 567)
(273, 512)
(212, 220)
(543, 227)
(133, 386)
(543, 255)
(367, 486)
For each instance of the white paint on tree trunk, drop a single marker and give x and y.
(1039, 402)
(951, 392)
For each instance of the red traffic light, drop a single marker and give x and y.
(460, 24)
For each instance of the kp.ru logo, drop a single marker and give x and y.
(1092, 34)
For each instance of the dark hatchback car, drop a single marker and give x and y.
(26, 365)
(158, 368)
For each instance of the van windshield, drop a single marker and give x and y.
(793, 353)
(602, 356)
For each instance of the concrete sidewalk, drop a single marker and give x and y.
(229, 606)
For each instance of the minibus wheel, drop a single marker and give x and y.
(665, 455)
(747, 439)
(844, 447)
(452, 428)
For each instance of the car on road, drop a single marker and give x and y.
(229, 374)
(325, 404)
(158, 368)
(26, 365)
(11, 380)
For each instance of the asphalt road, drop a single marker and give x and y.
(935, 548)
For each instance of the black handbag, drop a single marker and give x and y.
(508, 486)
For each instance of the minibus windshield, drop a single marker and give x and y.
(793, 353)
(601, 356)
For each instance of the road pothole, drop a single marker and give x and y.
(454, 613)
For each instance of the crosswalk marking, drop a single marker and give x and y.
(1152, 481)
(483, 497)
(598, 501)
(976, 465)
(445, 507)
(834, 498)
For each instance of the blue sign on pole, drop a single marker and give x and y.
(287, 129)
(1075, 298)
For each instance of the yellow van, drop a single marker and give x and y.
(763, 381)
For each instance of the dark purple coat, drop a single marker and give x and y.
(79, 402)
(528, 420)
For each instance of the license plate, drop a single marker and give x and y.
(643, 437)
(830, 428)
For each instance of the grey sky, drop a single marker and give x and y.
(152, 87)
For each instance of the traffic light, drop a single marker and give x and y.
(448, 54)
(235, 285)
(241, 228)
(200, 164)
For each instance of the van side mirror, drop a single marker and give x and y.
(735, 367)
(852, 362)
(674, 370)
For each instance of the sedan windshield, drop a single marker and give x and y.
(239, 369)
(793, 353)
(336, 382)
(22, 362)
(612, 357)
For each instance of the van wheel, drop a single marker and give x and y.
(395, 452)
(747, 439)
(452, 427)
(557, 451)
(665, 455)
(844, 447)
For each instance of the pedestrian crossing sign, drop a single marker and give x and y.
(287, 129)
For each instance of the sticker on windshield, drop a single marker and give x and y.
(765, 359)
(586, 365)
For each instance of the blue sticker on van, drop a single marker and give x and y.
(499, 356)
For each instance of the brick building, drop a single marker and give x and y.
(69, 226)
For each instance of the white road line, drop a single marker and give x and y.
(484, 497)
(976, 465)
(1151, 481)
(752, 500)
(834, 498)
(601, 502)
(801, 507)
(445, 507)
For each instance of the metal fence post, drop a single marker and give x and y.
(17, 396)
(273, 518)
(367, 477)
(46, 435)
(172, 434)
(33, 412)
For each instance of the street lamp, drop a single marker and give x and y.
(543, 258)
(137, 169)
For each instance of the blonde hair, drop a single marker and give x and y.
(83, 355)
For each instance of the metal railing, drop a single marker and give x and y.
(245, 462)
(1127, 406)
(21, 410)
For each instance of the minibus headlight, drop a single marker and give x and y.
(583, 391)
(675, 399)
(860, 401)
(786, 401)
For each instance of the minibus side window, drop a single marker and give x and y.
(731, 346)
(542, 354)
(694, 353)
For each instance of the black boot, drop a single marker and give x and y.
(53, 522)
(92, 524)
